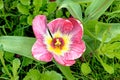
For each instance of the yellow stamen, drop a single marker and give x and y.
(59, 47)
(58, 43)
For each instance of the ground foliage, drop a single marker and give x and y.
(101, 21)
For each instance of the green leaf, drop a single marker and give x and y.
(25, 2)
(9, 56)
(33, 74)
(85, 68)
(51, 7)
(1, 4)
(51, 75)
(59, 2)
(117, 54)
(26, 61)
(23, 19)
(16, 65)
(96, 9)
(18, 45)
(89, 28)
(83, 1)
(113, 29)
(59, 13)
(73, 8)
(29, 19)
(117, 66)
(101, 31)
(1, 51)
(4, 69)
(108, 68)
(37, 5)
(112, 48)
(23, 9)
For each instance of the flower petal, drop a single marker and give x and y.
(39, 26)
(77, 30)
(76, 51)
(61, 60)
(64, 25)
(40, 52)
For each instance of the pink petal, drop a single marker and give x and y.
(77, 30)
(67, 27)
(76, 51)
(40, 52)
(39, 26)
(61, 60)
(64, 25)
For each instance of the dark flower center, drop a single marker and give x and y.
(57, 43)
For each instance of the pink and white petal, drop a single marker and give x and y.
(55, 24)
(39, 26)
(61, 60)
(64, 25)
(76, 51)
(67, 27)
(77, 30)
(40, 52)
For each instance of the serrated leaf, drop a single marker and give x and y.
(73, 8)
(112, 48)
(1, 4)
(51, 75)
(23, 9)
(96, 9)
(37, 5)
(25, 2)
(59, 13)
(108, 68)
(26, 61)
(29, 19)
(51, 7)
(18, 45)
(33, 74)
(117, 66)
(85, 68)
(117, 54)
(23, 19)
(9, 56)
(16, 65)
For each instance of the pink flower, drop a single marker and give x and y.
(64, 46)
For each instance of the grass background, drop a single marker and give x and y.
(16, 19)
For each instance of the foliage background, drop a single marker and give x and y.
(100, 18)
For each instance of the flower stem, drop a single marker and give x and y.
(66, 71)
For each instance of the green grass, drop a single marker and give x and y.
(15, 22)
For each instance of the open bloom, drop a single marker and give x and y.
(64, 44)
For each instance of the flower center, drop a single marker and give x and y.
(57, 43)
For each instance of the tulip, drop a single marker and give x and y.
(60, 39)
